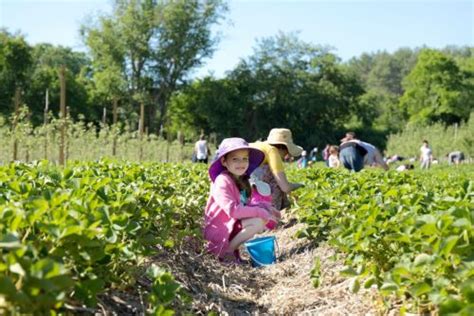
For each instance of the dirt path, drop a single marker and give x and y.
(283, 288)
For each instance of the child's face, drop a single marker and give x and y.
(236, 162)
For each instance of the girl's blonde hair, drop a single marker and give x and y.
(333, 149)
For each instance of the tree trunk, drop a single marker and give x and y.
(151, 119)
(163, 104)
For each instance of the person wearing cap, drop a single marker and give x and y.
(278, 144)
(230, 218)
(354, 154)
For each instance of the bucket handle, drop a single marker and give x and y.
(277, 254)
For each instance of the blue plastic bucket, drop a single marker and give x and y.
(262, 250)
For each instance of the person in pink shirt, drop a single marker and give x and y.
(230, 217)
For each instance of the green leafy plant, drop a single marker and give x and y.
(410, 234)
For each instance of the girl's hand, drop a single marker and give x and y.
(275, 213)
(275, 217)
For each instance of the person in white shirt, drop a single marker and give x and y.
(426, 155)
(405, 167)
(333, 160)
(201, 150)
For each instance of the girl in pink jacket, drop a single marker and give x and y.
(229, 219)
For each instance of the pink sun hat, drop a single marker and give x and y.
(228, 145)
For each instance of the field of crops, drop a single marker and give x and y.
(410, 234)
(69, 235)
(85, 142)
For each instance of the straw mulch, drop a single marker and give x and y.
(284, 288)
(281, 289)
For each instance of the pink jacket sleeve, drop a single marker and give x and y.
(226, 195)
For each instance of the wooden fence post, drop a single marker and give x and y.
(45, 124)
(104, 116)
(67, 140)
(181, 147)
(455, 131)
(62, 109)
(15, 122)
(27, 143)
(141, 129)
(114, 143)
(168, 141)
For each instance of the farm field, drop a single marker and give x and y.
(116, 237)
(105, 105)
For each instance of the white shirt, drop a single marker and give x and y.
(401, 168)
(425, 153)
(369, 159)
(333, 161)
(201, 149)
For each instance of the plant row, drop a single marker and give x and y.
(409, 234)
(68, 235)
(85, 141)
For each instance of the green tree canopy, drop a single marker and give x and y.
(47, 60)
(15, 63)
(151, 46)
(285, 83)
(437, 90)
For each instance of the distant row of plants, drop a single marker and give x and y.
(410, 234)
(443, 139)
(68, 235)
(86, 142)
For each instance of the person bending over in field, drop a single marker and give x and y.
(455, 157)
(230, 217)
(279, 144)
(354, 154)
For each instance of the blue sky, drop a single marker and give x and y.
(351, 27)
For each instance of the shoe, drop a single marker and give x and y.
(229, 259)
(239, 258)
(232, 258)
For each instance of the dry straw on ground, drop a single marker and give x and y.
(281, 289)
(284, 288)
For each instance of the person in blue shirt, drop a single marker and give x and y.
(303, 161)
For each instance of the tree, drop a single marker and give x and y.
(285, 83)
(109, 80)
(15, 63)
(388, 71)
(436, 90)
(360, 68)
(43, 75)
(381, 74)
(385, 76)
(152, 46)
